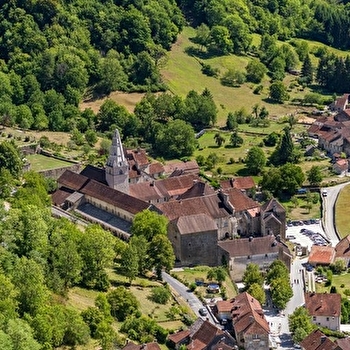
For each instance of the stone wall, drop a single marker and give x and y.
(56, 173)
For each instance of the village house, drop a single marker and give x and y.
(202, 335)
(316, 340)
(333, 132)
(341, 166)
(324, 309)
(249, 324)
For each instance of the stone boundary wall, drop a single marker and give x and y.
(56, 173)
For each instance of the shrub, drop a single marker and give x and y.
(208, 70)
(160, 295)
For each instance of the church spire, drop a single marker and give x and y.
(117, 167)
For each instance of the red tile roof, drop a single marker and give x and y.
(72, 180)
(224, 305)
(162, 189)
(320, 255)
(59, 196)
(248, 316)
(241, 201)
(149, 346)
(317, 341)
(206, 333)
(139, 156)
(241, 183)
(156, 168)
(323, 304)
(343, 343)
(210, 205)
(189, 166)
(198, 189)
(179, 336)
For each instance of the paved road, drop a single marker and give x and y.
(328, 219)
(191, 299)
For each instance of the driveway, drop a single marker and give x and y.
(189, 297)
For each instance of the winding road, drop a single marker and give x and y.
(328, 215)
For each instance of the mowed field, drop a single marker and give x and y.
(342, 211)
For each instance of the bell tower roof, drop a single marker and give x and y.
(116, 153)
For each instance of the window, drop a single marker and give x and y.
(314, 318)
(327, 318)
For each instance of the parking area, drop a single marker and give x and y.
(306, 233)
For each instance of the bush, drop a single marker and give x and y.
(208, 70)
(160, 295)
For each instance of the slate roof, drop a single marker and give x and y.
(72, 180)
(195, 223)
(320, 255)
(317, 341)
(252, 246)
(323, 304)
(114, 197)
(248, 316)
(272, 206)
(241, 183)
(94, 173)
(210, 205)
(342, 249)
(240, 201)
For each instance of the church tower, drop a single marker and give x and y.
(117, 167)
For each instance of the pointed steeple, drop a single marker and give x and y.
(117, 167)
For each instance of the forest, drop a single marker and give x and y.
(55, 53)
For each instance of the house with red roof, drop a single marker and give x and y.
(321, 255)
(202, 335)
(324, 309)
(341, 166)
(249, 324)
(316, 340)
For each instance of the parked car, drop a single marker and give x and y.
(203, 311)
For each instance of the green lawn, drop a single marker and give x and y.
(190, 274)
(337, 281)
(342, 212)
(39, 162)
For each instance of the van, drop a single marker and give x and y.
(324, 193)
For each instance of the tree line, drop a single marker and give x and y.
(233, 22)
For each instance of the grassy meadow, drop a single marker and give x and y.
(342, 212)
(337, 281)
(182, 72)
(39, 162)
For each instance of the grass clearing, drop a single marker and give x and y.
(342, 211)
(337, 281)
(128, 100)
(189, 275)
(39, 162)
